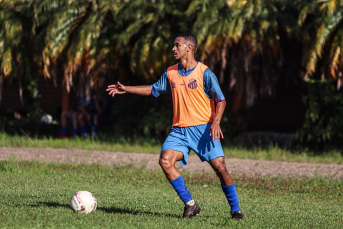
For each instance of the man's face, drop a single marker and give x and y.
(180, 48)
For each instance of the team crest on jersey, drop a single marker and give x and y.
(192, 83)
(172, 84)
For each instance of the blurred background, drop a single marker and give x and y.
(279, 64)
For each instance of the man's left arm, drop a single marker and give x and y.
(216, 131)
(212, 90)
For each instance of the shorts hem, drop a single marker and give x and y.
(184, 160)
(211, 158)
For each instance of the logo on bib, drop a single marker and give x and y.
(192, 84)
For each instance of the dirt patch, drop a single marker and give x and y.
(235, 166)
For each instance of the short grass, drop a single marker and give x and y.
(141, 145)
(36, 195)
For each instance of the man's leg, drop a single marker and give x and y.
(75, 123)
(167, 162)
(229, 189)
(83, 126)
(64, 117)
(95, 125)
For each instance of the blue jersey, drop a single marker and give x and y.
(211, 85)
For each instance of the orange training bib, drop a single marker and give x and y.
(190, 104)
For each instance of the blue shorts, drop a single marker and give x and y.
(196, 138)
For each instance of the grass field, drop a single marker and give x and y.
(110, 143)
(36, 195)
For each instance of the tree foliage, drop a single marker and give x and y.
(323, 120)
(249, 44)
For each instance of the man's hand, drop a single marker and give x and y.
(216, 132)
(116, 89)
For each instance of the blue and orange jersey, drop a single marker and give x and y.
(193, 93)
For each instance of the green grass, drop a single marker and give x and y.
(36, 195)
(141, 145)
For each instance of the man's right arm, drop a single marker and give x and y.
(122, 89)
(160, 87)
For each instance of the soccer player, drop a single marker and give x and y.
(194, 89)
(90, 111)
(69, 111)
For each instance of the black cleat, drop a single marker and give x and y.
(237, 215)
(191, 211)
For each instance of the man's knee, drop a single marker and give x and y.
(222, 169)
(165, 162)
(96, 118)
(64, 114)
(75, 115)
(220, 166)
(80, 117)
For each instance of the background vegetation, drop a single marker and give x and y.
(256, 49)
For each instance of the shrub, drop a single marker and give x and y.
(324, 117)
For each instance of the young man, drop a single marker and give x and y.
(69, 111)
(89, 112)
(194, 90)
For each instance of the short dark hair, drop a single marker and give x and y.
(189, 37)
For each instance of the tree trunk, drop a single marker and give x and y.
(65, 89)
(21, 92)
(223, 65)
(1, 80)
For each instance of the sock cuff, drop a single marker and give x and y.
(64, 130)
(177, 181)
(95, 128)
(230, 188)
(84, 129)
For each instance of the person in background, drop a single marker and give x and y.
(69, 112)
(90, 110)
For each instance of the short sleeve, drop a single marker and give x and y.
(211, 86)
(162, 86)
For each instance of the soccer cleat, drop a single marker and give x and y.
(191, 211)
(237, 215)
(63, 136)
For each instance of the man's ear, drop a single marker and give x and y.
(189, 48)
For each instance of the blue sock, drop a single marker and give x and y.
(64, 130)
(84, 131)
(232, 197)
(74, 132)
(95, 128)
(181, 189)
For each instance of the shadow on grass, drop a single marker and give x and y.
(50, 204)
(108, 210)
(135, 212)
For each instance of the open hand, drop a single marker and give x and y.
(116, 89)
(216, 132)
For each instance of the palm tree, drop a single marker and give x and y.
(246, 34)
(146, 35)
(323, 38)
(15, 42)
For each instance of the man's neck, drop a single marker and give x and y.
(188, 64)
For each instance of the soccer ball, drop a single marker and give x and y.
(84, 202)
(46, 119)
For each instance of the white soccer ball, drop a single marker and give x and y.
(83, 202)
(46, 119)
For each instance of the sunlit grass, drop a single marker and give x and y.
(37, 195)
